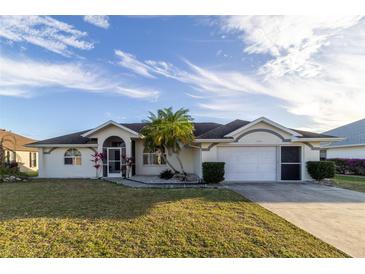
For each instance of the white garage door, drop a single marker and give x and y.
(248, 163)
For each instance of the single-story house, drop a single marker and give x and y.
(261, 150)
(15, 150)
(352, 146)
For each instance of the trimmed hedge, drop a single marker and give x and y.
(213, 172)
(320, 170)
(349, 166)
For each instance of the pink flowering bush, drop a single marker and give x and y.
(97, 159)
(349, 166)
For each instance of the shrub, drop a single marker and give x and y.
(213, 172)
(11, 174)
(320, 170)
(349, 166)
(166, 174)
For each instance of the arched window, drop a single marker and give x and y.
(153, 157)
(72, 157)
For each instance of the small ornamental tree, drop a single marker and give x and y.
(170, 131)
(97, 159)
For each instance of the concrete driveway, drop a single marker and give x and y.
(335, 215)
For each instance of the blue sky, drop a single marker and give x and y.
(67, 73)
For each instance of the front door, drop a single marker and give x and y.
(114, 162)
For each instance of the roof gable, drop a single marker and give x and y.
(109, 123)
(262, 120)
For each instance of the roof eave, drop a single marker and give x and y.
(62, 145)
(213, 140)
(318, 139)
(343, 146)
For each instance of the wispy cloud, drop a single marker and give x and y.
(293, 41)
(24, 78)
(130, 61)
(314, 71)
(45, 32)
(100, 21)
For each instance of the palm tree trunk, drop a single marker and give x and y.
(168, 163)
(180, 163)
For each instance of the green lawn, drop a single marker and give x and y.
(350, 182)
(86, 218)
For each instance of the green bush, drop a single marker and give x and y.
(213, 172)
(320, 170)
(166, 174)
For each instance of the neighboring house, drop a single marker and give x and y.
(15, 150)
(261, 150)
(353, 145)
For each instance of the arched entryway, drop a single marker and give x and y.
(114, 151)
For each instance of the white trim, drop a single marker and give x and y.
(110, 122)
(340, 146)
(63, 145)
(265, 120)
(318, 139)
(213, 140)
(116, 174)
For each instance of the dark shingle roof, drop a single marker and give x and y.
(73, 138)
(76, 138)
(202, 131)
(220, 132)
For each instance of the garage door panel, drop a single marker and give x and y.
(248, 163)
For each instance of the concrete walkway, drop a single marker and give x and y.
(335, 215)
(138, 184)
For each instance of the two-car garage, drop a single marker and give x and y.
(261, 163)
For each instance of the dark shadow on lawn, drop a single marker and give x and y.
(93, 199)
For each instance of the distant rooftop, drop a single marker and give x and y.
(353, 132)
(15, 141)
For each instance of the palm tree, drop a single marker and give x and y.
(170, 131)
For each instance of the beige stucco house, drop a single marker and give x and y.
(261, 150)
(15, 150)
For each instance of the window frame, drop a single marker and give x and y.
(32, 159)
(75, 159)
(151, 158)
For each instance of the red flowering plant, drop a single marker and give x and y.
(97, 159)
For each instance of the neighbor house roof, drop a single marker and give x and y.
(354, 134)
(13, 141)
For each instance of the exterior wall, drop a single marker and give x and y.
(52, 165)
(309, 154)
(197, 157)
(346, 152)
(22, 158)
(186, 155)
